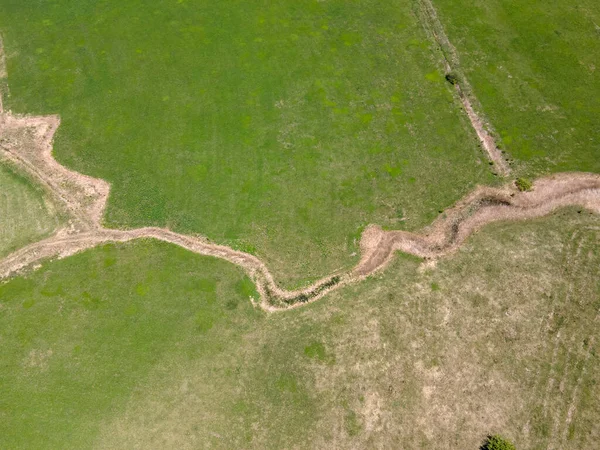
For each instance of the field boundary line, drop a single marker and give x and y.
(457, 77)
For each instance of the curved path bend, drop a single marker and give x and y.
(27, 142)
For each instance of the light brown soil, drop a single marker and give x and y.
(27, 142)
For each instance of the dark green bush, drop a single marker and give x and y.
(451, 78)
(497, 442)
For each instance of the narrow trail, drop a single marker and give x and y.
(452, 66)
(27, 142)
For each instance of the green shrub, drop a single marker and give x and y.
(451, 78)
(523, 184)
(497, 442)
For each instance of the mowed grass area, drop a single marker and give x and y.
(148, 346)
(534, 66)
(24, 214)
(280, 128)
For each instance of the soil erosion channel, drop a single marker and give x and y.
(27, 143)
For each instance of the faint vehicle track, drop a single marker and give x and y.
(27, 142)
(462, 86)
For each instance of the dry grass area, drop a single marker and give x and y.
(495, 340)
(499, 338)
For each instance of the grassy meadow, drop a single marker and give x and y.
(534, 68)
(148, 346)
(25, 216)
(283, 128)
(280, 128)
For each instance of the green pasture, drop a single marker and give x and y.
(25, 216)
(281, 128)
(534, 66)
(146, 345)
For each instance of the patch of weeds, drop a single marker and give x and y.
(434, 76)
(231, 304)
(287, 383)
(352, 423)
(108, 262)
(523, 184)
(479, 301)
(204, 321)
(28, 303)
(15, 288)
(317, 351)
(392, 171)
(131, 310)
(88, 301)
(245, 287)
(435, 287)
(497, 442)
(141, 289)
(206, 285)
(245, 247)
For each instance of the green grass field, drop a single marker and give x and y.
(534, 68)
(281, 128)
(148, 346)
(24, 215)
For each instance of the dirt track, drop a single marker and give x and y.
(27, 142)
(452, 65)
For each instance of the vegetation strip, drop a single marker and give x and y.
(85, 198)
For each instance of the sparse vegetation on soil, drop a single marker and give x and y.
(144, 345)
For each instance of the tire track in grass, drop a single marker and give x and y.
(588, 342)
(465, 93)
(575, 361)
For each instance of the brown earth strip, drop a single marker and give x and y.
(27, 142)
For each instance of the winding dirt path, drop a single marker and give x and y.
(27, 142)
